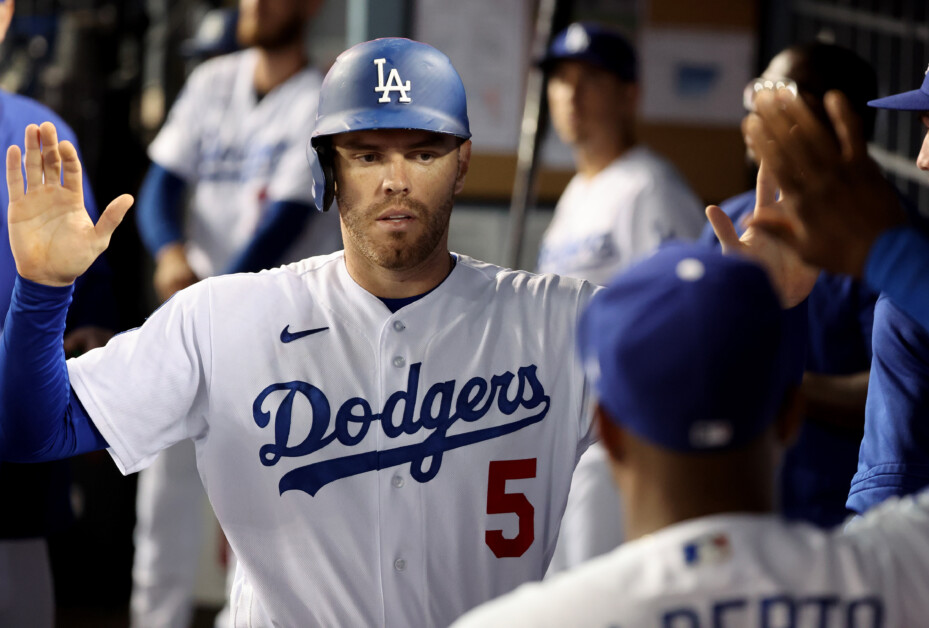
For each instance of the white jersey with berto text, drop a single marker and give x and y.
(603, 223)
(742, 571)
(368, 468)
(239, 154)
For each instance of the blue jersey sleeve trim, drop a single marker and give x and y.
(898, 265)
(158, 214)
(40, 418)
(283, 223)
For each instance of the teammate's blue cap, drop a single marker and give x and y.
(684, 349)
(595, 44)
(913, 100)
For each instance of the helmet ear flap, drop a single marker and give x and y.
(326, 162)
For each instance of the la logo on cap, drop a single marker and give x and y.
(576, 40)
(394, 84)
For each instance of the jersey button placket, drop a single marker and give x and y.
(401, 499)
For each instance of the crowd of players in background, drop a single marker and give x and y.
(862, 330)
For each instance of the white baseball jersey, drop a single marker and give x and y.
(593, 520)
(742, 571)
(239, 155)
(368, 468)
(605, 222)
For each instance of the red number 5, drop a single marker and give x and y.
(501, 502)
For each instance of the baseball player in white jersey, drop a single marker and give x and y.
(696, 471)
(387, 434)
(235, 138)
(623, 202)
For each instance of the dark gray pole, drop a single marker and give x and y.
(553, 16)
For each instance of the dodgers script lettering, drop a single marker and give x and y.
(442, 406)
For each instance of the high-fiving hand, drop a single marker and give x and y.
(791, 277)
(52, 237)
(838, 201)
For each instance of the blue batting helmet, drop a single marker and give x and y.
(390, 83)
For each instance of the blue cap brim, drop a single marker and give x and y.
(913, 100)
(586, 56)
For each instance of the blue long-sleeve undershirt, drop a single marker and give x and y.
(158, 213)
(898, 265)
(41, 418)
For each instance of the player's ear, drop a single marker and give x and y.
(790, 417)
(464, 162)
(611, 435)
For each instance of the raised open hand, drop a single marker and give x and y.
(839, 203)
(792, 279)
(52, 237)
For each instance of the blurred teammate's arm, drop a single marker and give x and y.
(898, 265)
(159, 221)
(283, 223)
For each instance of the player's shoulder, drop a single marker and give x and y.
(640, 163)
(17, 112)
(220, 70)
(568, 598)
(523, 284)
(256, 288)
(309, 270)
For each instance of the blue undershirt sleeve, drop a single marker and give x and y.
(40, 416)
(898, 266)
(282, 225)
(158, 213)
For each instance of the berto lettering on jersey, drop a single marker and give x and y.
(471, 403)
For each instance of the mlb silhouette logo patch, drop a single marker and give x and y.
(394, 84)
(707, 550)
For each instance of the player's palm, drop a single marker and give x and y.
(52, 237)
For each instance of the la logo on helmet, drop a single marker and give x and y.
(394, 84)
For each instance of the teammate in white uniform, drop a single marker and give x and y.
(236, 139)
(387, 434)
(697, 470)
(623, 202)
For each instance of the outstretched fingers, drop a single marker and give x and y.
(725, 231)
(110, 219)
(14, 174)
(771, 153)
(71, 166)
(847, 126)
(33, 157)
(765, 186)
(51, 159)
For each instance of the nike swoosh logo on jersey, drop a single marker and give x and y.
(288, 336)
